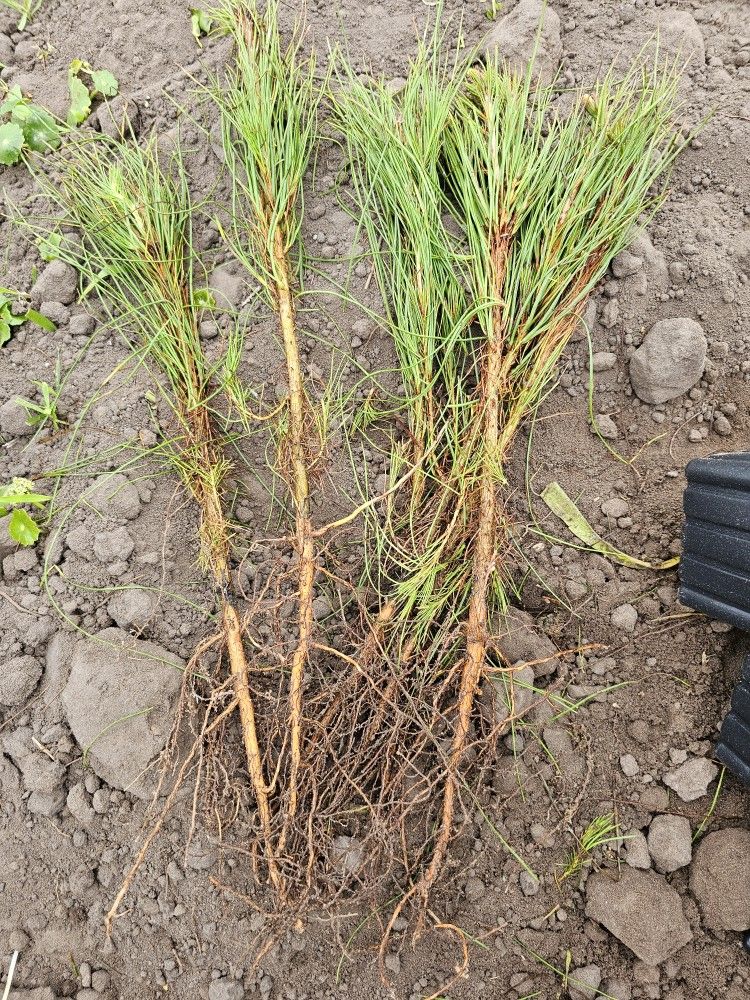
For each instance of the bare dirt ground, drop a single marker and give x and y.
(656, 915)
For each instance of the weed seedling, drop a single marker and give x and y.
(14, 496)
(25, 127)
(24, 8)
(45, 411)
(87, 85)
(601, 831)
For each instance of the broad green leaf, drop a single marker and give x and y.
(203, 299)
(80, 101)
(40, 130)
(11, 143)
(39, 320)
(201, 23)
(49, 246)
(5, 332)
(560, 504)
(105, 83)
(12, 98)
(22, 528)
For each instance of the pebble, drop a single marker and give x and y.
(670, 842)
(691, 780)
(225, 989)
(670, 361)
(636, 850)
(530, 30)
(629, 765)
(606, 427)
(57, 282)
(720, 879)
(584, 983)
(642, 910)
(18, 678)
(615, 507)
(625, 617)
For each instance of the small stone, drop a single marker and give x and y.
(603, 361)
(629, 765)
(474, 889)
(112, 545)
(721, 425)
(116, 496)
(18, 678)
(583, 983)
(228, 289)
(691, 779)
(132, 608)
(615, 507)
(670, 842)
(625, 264)
(392, 962)
(517, 38)
(225, 989)
(720, 879)
(642, 910)
(14, 420)
(119, 701)
(58, 282)
(670, 360)
(606, 427)
(529, 883)
(636, 850)
(625, 617)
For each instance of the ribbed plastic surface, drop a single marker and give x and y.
(734, 740)
(715, 574)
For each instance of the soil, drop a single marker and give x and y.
(655, 680)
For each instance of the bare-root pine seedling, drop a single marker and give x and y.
(135, 221)
(542, 204)
(268, 105)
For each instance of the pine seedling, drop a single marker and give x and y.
(600, 832)
(135, 221)
(268, 105)
(542, 205)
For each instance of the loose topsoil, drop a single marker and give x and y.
(654, 915)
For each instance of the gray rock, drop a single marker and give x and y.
(132, 608)
(615, 507)
(228, 289)
(112, 545)
(679, 35)
(629, 765)
(654, 263)
(43, 777)
(347, 853)
(58, 282)
(520, 639)
(606, 426)
(514, 38)
(18, 678)
(625, 617)
(691, 779)
(670, 842)
(670, 360)
(626, 264)
(603, 361)
(583, 983)
(642, 910)
(616, 989)
(116, 496)
(720, 879)
(119, 702)
(225, 989)
(513, 693)
(14, 420)
(636, 850)
(6, 50)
